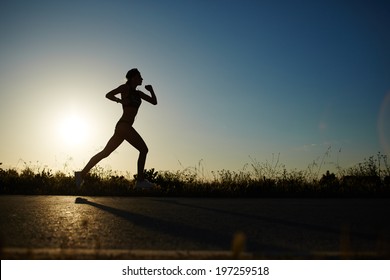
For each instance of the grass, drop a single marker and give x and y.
(369, 178)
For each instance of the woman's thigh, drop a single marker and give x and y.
(133, 137)
(112, 144)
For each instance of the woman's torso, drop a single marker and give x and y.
(131, 101)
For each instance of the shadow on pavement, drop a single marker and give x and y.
(200, 235)
(294, 224)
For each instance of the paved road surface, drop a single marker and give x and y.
(123, 227)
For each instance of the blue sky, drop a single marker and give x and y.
(235, 81)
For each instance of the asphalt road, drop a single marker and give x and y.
(147, 227)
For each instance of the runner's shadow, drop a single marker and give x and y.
(302, 226)
(162, 226)
(201, 236)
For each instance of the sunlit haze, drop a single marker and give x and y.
(236, 81)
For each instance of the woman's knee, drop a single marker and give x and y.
(144, 150)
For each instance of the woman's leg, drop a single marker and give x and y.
(112, 144)
(137, 142)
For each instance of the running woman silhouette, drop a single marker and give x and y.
(131, 99)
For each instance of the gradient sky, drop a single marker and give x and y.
(236, 81)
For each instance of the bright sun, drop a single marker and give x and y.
(73, 130)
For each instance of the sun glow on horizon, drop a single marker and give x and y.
(73, 130)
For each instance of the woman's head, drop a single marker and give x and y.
(131, 73)
(134, 76)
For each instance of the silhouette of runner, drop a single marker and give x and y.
(131, 99)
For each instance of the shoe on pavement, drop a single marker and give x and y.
(144, 184)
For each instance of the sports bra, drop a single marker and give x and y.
(132, 99)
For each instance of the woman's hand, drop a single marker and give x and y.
(151, 99)
(149, 88)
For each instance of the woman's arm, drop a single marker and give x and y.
(151, 99)
(111, 94)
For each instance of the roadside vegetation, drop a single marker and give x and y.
(370, 178)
